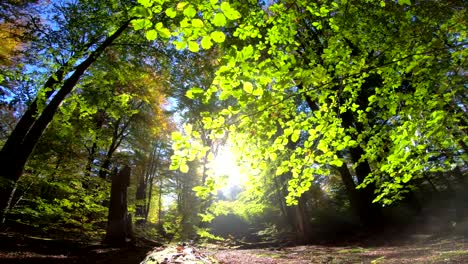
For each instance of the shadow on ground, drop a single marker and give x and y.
(25, 250)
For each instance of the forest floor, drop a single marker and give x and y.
(417, 248)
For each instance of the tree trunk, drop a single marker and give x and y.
(99, 119)
(304, 232)
(360, 205)
(160, 202)
(140, 210)
(25, 136)
(91, 157)
(118, 221)
(360, 200)
(369, 212)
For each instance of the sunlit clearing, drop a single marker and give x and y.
(224, 165)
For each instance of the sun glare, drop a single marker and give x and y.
(225, 165)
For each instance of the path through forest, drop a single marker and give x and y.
(418, 248)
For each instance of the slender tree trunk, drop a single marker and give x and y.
(25, 136)
(280, 197)
(141, 199)
(148, 201)
(99, 118)
(160, 202)
(116, 139)
(7, 207)
(150, 178)
(303, 222)
(91, 157)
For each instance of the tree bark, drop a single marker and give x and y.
(118, 220)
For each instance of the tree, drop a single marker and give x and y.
(347, 83)
(76, 47)
(72, 62)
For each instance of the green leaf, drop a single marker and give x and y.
(218, 36)
(248, 87)
(180, 44)
(159, 25)
(165, 33)
(140, 11)
(229, 12)
(151, 34)
(406, 178)
(404, 2)
(193, 91)
(219, 20)
(336, 162)
(176, 136)
(170, 12)
(145, 3)
(197, 23)
(181, 5)
(295, 135)
(258, 92)
(193, 46)
(190, 11)
(273, 156)
(141, 23)
(206, 42)
(184, 168)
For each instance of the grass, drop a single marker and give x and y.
(352, 250)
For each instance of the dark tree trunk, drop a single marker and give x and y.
(304, 232)
(118, 218)
(369, 212)
(99, 119)
(360, 200)
(25, 136)
(91, 157)
(120, 127)
(105, 166)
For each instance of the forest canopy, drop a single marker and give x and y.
(326, 110)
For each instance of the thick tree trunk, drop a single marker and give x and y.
(369, 212)
(24, 138)
(118, 219)
(360, 200)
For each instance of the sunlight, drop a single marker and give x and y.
(225, 165)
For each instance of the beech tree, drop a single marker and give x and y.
(370, 89)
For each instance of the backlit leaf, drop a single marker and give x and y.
(218, 36)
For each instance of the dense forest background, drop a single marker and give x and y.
(274, 121)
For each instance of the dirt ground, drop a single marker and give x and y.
(417, 248)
